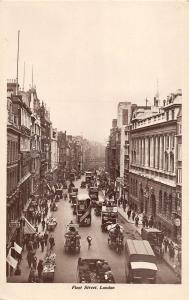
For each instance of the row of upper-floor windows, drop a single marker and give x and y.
(167, 140)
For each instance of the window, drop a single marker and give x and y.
(160, 201)
(170, 205)
(172, 168)
(179, 176)
(173, 141)
(173, 114)
(167, 115)
(179, 149)
(8, 154)
(179, 128)
(165, 203)
(167, 140)
(166, 162)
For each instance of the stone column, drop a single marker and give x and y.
(151, 152)
(154, 151)
(157, 153)
(146, 152)
(163, 152)
(142, 152)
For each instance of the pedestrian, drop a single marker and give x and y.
(46, 238)
(43, 224)
(129, 213)
(133, 215)
(29, 258)
(34, 262)
(51, 242)
(39, 217)
(136, 220)
(35, 244)
(32, 275)
(89, 240)
(40, 268)
(46, 210)
(30, 245)
(42, 243)
(150, 223)
(124, 206)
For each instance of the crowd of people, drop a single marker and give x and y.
(39, 241)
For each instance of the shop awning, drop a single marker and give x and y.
(28, 227)
(11, 260)
(23, 179)
(17, 248)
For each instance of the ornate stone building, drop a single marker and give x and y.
(154, 161)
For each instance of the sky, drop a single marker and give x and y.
(89, 56)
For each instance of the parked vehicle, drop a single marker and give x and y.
(140, 262)
(92, 270)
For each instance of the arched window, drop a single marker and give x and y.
(160, 201)
(165, 203)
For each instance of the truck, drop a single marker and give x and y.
(140, 262)
(94, 270)
(155, 237)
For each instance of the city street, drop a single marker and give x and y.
(66, 264)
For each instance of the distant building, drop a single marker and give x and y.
(45, 147)
(54, 153)
(62, 145)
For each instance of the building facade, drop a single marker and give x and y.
(153, 152)
(62, 145)
(13, 162)
(35, 142)
(25, 162)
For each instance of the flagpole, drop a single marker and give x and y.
(17, 62)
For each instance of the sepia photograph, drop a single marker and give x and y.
(94, 142)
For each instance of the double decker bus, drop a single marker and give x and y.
(83, 209)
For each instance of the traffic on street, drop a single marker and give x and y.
(86, 240)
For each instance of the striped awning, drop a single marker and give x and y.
(28, 227)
